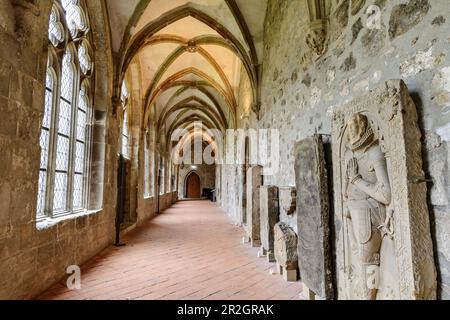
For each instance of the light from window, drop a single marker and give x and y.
(63, 141)
(146, 165)
(125, 133)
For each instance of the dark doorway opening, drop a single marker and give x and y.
(193, 187)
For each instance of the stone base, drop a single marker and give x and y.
(277, 270)
(262, 253)
(256, 243)
(270, 257)
(290, 275)
(307, 293)
(245, 240)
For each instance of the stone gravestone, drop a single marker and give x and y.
(383, 248)
(252, 227)
(288, 206)
(269, 216)
(314, 253)
(285, 250)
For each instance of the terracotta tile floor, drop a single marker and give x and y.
(191, 251)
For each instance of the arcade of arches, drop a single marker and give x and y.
(119, 119)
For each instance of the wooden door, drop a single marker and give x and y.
(193, 186)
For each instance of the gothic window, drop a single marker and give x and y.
(147, 183)
(173, 177)
(125, 143)
(152, 163)
(67, 112)
(161, 175)
(169, 178)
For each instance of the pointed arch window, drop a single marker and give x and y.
(147, 182)
(125, 143)
(64, 145)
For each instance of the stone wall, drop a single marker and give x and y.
(299, 89)
(207, 174)
(411, 44)
(33, 256)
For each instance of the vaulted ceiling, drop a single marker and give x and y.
(191, 55)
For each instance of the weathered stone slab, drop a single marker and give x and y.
(315, 259)
(269, 216)
(285, 246)
(384, 247)
(252, 227)
(288, 206)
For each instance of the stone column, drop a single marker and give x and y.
(269, 216)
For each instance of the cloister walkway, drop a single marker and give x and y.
(191, 251)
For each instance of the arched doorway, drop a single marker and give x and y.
(193, 187)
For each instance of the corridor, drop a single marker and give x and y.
(191, 251)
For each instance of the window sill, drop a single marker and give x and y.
(47, 223)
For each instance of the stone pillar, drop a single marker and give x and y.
(252, 228)
(269, 216)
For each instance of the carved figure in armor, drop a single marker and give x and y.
(367, 194)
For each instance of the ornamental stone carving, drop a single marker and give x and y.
(288, 206)
(317, 36)
(285, 248)
(383, 242)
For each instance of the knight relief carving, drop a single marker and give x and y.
(381, 222)
(367, 193)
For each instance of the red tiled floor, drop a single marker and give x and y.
(191, 251)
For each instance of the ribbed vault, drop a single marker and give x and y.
(192, 56)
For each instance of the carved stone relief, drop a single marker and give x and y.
(313, 208)
(288, 206)
(316, 35)
(252, 227)
(384, 248)
(285, 248)
(269, 216)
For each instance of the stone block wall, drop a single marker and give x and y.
(411, 44)
(35, 255)
(299, 89)
(207, 174)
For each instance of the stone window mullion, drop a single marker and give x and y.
(72, 141)
(66, 130)
(52, 152)
(88, 153)
(49, 191)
